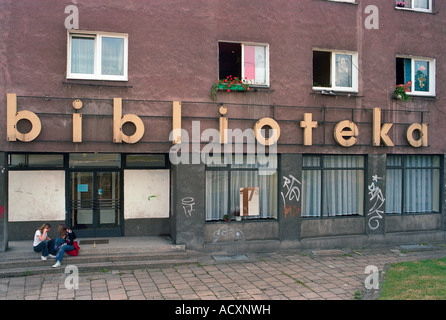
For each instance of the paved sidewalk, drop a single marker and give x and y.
(287, 275)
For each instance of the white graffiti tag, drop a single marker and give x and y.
(188, 206)
(293, 191)
(376, 195)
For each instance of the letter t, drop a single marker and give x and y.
(308, 124)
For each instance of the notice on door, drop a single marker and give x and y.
(82, 188)
(249, 201)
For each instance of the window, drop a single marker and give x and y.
(417, 5)
(224, 184)
(145, 161)
(413, 184)
(417, 73)
(249, 62)
(97, 56)
(89, 160)
(335, 70)
(332, 186)
(22, 160)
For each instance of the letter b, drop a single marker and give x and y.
(13, 117)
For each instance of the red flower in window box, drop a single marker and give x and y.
(229, 84)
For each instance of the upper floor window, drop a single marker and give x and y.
(417, 5)
(246, 61)
(418, 74)
(335, 70)
(97, 56)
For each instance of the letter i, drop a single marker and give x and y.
(77, 121)
(223, 110)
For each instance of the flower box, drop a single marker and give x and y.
(229, 84)
(233, 87)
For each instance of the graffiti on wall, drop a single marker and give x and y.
(230, 234)
(291, 197)
(376, 197)
(188, 204)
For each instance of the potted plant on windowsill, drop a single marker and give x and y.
(237, 215)
(229, 84)
(401, 4)
(401, 90)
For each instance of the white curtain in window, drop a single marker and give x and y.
(216, 194)
(394, 190)
(420, 185)
(421, 188)
(112, 56)
(82, 55)
(336, 190)
(311, 193)
(343, 70)
(255, 64)
(343, 189)
(267, 191)
(218, 191)
(421, 4)
(311, 188)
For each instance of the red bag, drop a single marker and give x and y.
(74, 252)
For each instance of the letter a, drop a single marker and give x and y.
(372, 21)
(72, 21)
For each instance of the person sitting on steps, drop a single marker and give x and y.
(65, 242)
(41, 241)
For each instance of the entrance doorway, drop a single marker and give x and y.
(95, 203)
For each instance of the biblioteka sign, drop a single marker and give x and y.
(345, 132)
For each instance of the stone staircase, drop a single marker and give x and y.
(21, 261)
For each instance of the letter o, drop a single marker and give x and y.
(258, 131)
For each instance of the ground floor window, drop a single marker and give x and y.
(413, 184)
(332, 186)
(244, 177)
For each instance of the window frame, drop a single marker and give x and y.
(322, 168)
(234, 166)
(242, 63)
(415, 9)
(97, 74)
(431, 73)
(354, 69)
(403, 167)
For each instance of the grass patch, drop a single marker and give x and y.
(417, 280)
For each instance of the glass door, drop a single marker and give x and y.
(96, 203)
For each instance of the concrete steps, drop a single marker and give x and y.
(102, 258)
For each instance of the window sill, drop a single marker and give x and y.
(97, 83)
(341, 1)
(414, 10)
(244, 220)
(334, 93)
(418, 97)
(343, 216)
